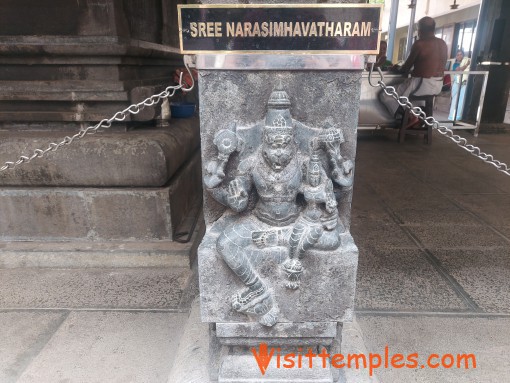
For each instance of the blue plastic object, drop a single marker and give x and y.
(182, 109)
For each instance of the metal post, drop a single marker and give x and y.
(392, 28)
(410, 30)
(457, 96)
(480, 105)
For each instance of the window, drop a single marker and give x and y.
(465, 37)
(447, 33)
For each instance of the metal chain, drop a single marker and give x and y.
(431, 121)
(107, 123)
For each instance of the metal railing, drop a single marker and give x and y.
(373, 115)
(464, 76)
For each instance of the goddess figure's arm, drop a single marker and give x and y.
(331, 203)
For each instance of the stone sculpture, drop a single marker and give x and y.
(280, 189)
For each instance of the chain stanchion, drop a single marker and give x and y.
(107, 123)
(443, 130)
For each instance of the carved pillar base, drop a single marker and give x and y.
(243, 359)
(277, 264)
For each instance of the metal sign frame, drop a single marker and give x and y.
(376, 29)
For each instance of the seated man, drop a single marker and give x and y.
(381, 61)
(427, 59)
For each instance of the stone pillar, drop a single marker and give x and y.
(491, 52)
(277, 264)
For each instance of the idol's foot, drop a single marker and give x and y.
(269, 319)
(260, 304)
(247, 296)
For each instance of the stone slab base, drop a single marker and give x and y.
(241, 369)
(97, 254)
(100, 214)
(142, 157)
(281, 334)
(190, 364)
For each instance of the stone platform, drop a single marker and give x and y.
(134, 185)
(194, 349)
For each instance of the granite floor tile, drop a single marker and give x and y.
(505, 230)
(484, 275)
(398, 279)
(407, 193)
(366, 204)
(456, 236)
(391, 181)
(436, 217)
(146, 288)
(493, 209)
(484, 171)
(452, 179)
(99, 347)
(455, 182)
(475, 176)
(377, 233)
(369, 210)
(486, 338)
(23, 335)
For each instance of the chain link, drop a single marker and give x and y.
(170, 91)
(445, 131)
(106, 123)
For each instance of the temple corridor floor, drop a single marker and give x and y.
(432, 224)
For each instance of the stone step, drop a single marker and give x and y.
(50, 116)
(102, 86)
(158, 215)
(135, 288)
(27, 69)
(107, 254)
(74, 96)
(65, 214)
(61, 85)
(144, 157)
(88, 60)
(45, 45)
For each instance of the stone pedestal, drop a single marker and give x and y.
(277, 264)
(65, 66)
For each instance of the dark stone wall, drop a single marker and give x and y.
(145, 19)
(154, 21)
(64, 62)
(62, 18)
(492, 44)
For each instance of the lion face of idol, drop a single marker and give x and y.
(278, 150)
